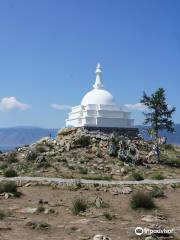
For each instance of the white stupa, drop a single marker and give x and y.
(99, 109)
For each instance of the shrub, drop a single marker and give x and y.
(105, 205)
(99, 153)
(108, 216)
(40, 208)
(10, 173)
(157, 193)
(39, 225)
(83, 141)
(9, 187)
(132, 149)
(11, 158)
(137, 176)
(122, 156)
(4, 214)
(63, 160)
(112, 150)
(82, 161)
(71, 167)
(171, 162)
(168, 147)
(43, 165)
(79, 205)
(158, 176)
(43, 225)
(78, 184)
(175, 185)
(3, 166)
(142, 200)
(83, 170)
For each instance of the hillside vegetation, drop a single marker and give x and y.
(77, 153)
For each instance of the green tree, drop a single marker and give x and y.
(158, 115)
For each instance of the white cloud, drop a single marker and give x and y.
(61, 106)
(136, 106)
(10, 103)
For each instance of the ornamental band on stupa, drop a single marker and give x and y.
(99, 111)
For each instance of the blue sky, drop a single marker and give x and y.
(49, 50)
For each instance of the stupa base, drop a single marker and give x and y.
(127, 132)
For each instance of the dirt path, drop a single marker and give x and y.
(60, 181)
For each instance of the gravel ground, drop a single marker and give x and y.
(61, 181)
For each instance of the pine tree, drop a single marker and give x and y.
(158, 115)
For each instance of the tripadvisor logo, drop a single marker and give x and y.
(139, 231)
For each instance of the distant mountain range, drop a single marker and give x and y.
(173, 138)
(18, 136)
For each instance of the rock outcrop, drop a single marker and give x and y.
(77, 152)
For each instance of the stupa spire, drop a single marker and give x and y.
(98, 83)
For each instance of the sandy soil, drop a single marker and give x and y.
(66, 226)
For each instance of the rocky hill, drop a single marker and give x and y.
(13, 137)
(78, 153)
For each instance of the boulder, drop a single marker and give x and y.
(121, 190)
(8, 195)
(98, 202)
(150, 238)
(149, 218)
(101, 237)
(31, 155)
(28, 210)
(68, 147)
(64, 132)
(43, 140)
(40, 159)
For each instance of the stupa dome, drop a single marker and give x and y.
(98, 95)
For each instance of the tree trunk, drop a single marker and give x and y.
(158, 152)
(157, 147)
